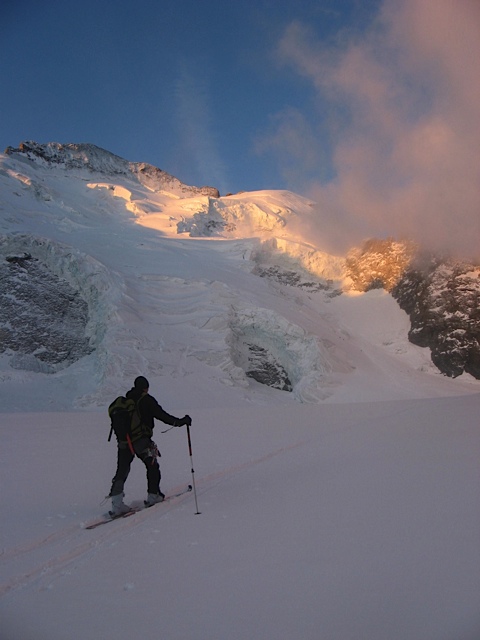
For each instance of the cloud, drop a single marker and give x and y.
(196, 133)
(405, 120)
(295, 144)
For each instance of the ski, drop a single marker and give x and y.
(99, 523)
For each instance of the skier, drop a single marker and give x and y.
(143, 446)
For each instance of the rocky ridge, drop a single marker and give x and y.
(95, 159)
(440, 295)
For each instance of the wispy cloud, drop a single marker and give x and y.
(404, 118)
(295, 143)
(196, 132)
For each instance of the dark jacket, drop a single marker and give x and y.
(149, 409)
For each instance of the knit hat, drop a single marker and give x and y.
(141, 383)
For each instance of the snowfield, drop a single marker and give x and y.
(343, 509)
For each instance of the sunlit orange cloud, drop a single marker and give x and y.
(407, 135)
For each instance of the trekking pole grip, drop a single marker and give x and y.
(189, 441)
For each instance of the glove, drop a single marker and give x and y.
(185, 421)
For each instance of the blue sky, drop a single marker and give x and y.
(369, 107)
(192, 86)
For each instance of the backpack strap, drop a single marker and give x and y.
(140, 429)
(130, 445)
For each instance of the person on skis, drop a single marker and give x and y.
(143, 447)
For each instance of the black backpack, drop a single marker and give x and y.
(125, 419)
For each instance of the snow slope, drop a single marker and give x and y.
(346, 509)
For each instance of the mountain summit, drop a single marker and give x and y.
(97, 160)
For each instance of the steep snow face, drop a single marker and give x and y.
(273, 217)
(247, 300)
(270, 342)
(245, 342)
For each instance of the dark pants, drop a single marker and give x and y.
(124, 460)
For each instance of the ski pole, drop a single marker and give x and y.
(193, 473)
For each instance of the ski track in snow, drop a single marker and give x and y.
(59, 560)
